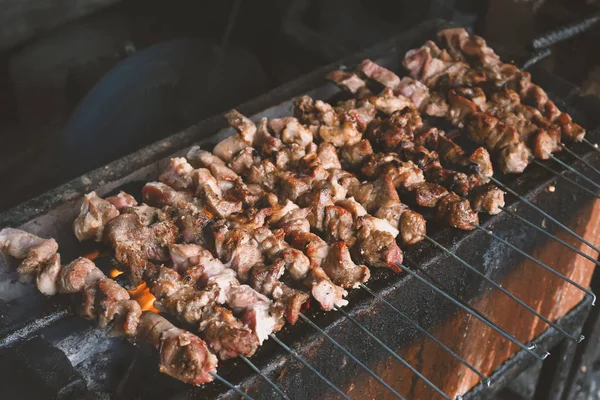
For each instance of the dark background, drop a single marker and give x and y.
(52, 54)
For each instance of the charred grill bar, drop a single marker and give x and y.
(404, 292)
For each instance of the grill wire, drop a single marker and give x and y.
(485, 380)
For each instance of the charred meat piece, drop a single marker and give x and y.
(275, 248)
(378, 73)
(313, 246)
(243, 125)
(75, 276)
(183, 355)
(317, 201)
(178, 175)
(32, 250)
(456, 211)
(158, 194)
(225, 177)
(338, 225)
(265, 279)
(354, 155)
(378, 249)
(325, 292)
(338, 265)
(134, 242)
(226, 335)
(237, 248)
(488, 198)
(207, 188)
(346, 134)
(95, 213)
(328, 156)
(412, 227)
(122, 201)
(350, 82)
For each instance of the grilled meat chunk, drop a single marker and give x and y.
(183, 355)
(32, 250)
(178, 175)
(325, 292)
(338, 225)
(95, 213)
(226, 335)
(122, 201)
(412, 227)
(353, 156)
(488, 198)
(134, 242)
(338, 265)
(456, 211)
(428, 194)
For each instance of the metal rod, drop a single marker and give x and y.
(230, 385)
(594, 146)
(541, 264)
(577, 156)
(550, 217)
(500, 288)
(476, 314)
(266, 378)
(537, 57)
(392, 352)
(545, 232)
(573, 170)
(484, 378)
(307, 365)
(566, 32)
(566, 178)
(346, 352)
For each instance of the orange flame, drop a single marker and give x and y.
(114, 273)
(141, 294)
(92, 255)
(145, 299)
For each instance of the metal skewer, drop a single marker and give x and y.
(594, 146)
(577, 156)
(545, 232)
(541, 264)
(230, 385)
(573, 170)
(537, 57)
(392, 352)
(346, 352)
(476, 314)
(550, 217)
(266, 378)
(566, 178)
(499, 287)
(484, 378)
(307, 365)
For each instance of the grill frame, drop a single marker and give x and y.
(51, 212)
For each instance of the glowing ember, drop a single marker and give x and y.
(141, 294)
(114, 273)
(145, 299)
(92, 255)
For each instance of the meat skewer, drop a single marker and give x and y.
(227, 239)
(136, 243)
(318, 189)
(506, 125)
(453, 211)
(183, 355)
